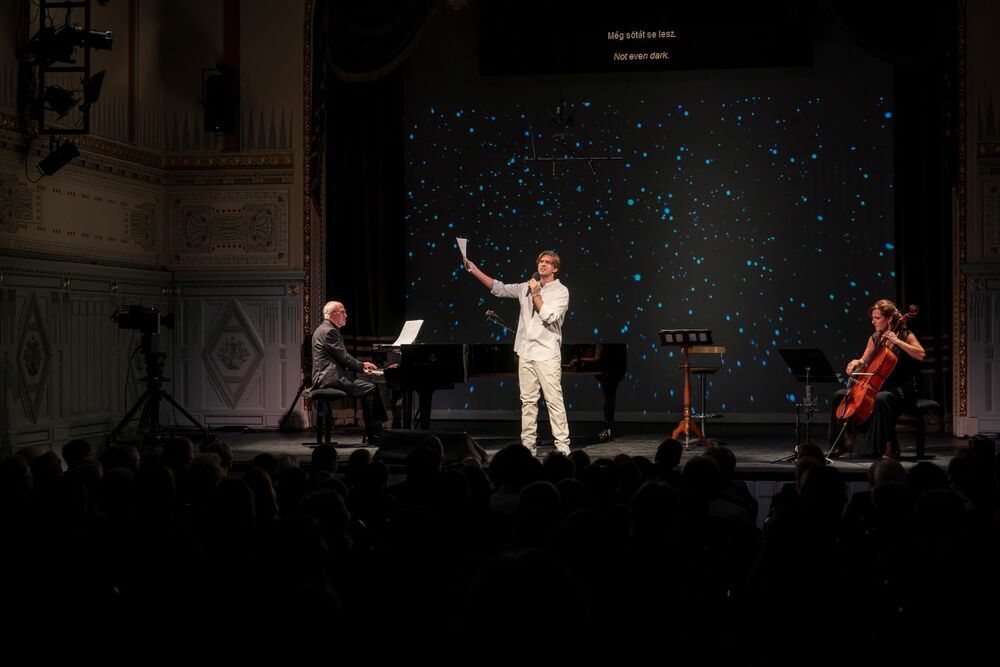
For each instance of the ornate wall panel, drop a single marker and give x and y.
(240, 345)
(80, 214)
(64, 364)
(232, 228)
(983, 345)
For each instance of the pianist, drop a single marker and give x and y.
(544, 301)
(334, 368)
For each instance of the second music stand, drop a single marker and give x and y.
(689, 340)
(808, 365)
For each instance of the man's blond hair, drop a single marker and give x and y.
(550, 253)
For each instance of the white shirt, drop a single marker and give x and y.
(539, 335)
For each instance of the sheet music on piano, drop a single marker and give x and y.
(406, 336)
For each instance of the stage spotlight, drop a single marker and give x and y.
(58, 158)
(51, 45)
(59, 100)
(92, 90)
(95, 39)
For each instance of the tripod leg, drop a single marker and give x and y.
(197, 424)
(131, 413)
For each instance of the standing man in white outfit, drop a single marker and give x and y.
(544, 301)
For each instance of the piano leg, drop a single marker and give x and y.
(407, 409)
(609, 393)
(426, 396)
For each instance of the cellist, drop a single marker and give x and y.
(877, 436)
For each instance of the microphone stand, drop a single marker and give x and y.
(495, 319)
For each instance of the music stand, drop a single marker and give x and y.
(688, 340)
(808, 365)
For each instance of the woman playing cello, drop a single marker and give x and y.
(877, 435)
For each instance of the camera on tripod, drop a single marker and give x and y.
(147, 320)
(144, 319)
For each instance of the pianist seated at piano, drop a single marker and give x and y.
(335, 368)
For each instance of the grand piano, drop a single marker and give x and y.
(425, 368)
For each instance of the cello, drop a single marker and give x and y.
(857, 406)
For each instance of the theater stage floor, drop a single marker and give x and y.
(758, 448)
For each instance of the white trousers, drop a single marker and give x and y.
(547, 377)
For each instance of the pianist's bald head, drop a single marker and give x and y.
(331, 307)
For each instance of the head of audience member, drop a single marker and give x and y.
(122, 456)
(802, 466)
(115, 494)
(46, 471)
(558, 466)
(823, 494)
(178, 453)
(580, 459)
(324, 459)
(15, 482)
(76, 452)
(668, 454)
(155, 491)
(225, 452)
(726, 460)
(888, 470)
(653, 512)
(269, 462)
(701, 481)
(423, 464)
(809, 449)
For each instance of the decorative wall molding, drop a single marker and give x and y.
(960, 379)
(80, 214)
(313, 278)
(233, 356)
(18, 203)
(232, 353)
(983, 282)
(229, 161)
(231, 227)
(64, 365)
(240, 344)
(99, 150)
(989, 215)
(34, 358)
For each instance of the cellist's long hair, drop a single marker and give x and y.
(888, 310)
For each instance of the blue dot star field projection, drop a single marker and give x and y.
(755, 203)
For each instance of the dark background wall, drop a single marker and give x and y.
(772, 205)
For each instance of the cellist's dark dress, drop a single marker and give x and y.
(898, 392)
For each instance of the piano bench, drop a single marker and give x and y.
(914, 415)
(322, 401)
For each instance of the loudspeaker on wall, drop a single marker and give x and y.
(221, 103)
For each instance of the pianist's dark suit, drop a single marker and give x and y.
(335, 368)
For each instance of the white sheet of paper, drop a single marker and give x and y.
(409, 333)
(462, 245)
